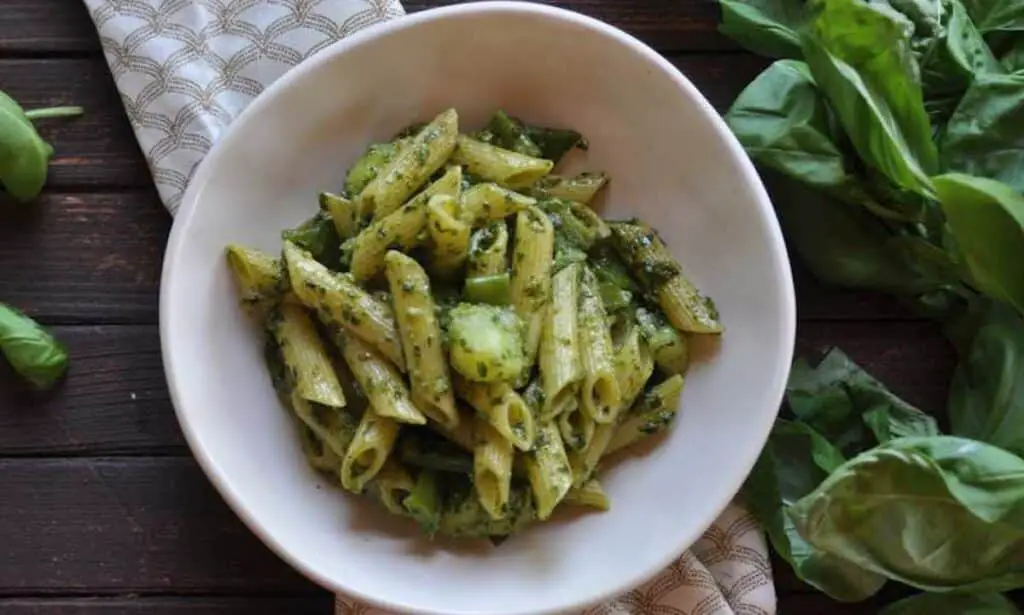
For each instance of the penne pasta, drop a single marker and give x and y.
(547, 468)
(600, 395)
(503, 408)
(421, 339)
(531, 275)
(651, 415)
(449, 236)
(499, 165)
(411, 166)
(580, 189)
(559, 357)
(339, 301)
(309, 367)
(492, 468)
(372, 444)
(488, 251)
(382, 384)
(489, 202)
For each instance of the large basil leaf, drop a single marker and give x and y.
(782, 122)
(840, 243)
(939, 513)
(985, 135)
(766, 27)
(849, 407)
(795, 460)
(986, 397)
(932, 604)
(987, 218)
(861, 58)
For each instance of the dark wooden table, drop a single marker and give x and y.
(102, 508)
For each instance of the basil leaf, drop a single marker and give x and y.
(1012, 58)
(930, 604)
(986, 396)
(319, 237)
(766, 27)
(794, 461)
(985, 135)
(849, 407)
(987, 218)
(938, 513)
(32, 351)
(860, 57)
(996, 15)
(842, 244)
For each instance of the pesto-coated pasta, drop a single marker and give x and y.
(503, 408)
(487, 202)
(501, 166)
(559, 358)
(411, 166)
(421, 339)
(547, 468)
(449, 236)
(339, 300)
(461, 338)
(382, 384)
(581, 188)
(375, 437)
(600, 395)
(401, 229)
(532, 261)
(309, 368)
(492, 468)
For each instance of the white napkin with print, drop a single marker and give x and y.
(186, 68)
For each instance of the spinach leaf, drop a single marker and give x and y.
(930, 604)
(766, 27)
(985, 135)
(319, 236)
(31, 350)
(849, 407)
(986, 397)
(939, 513)
(987, 218)
(794, 461)
(861, 58)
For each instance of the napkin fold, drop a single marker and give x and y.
(186, 68)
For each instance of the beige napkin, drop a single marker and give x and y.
(186, 68)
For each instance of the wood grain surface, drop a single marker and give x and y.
(103, 511)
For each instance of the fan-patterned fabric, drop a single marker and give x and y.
(186, 68)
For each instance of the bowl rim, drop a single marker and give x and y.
(188, 206)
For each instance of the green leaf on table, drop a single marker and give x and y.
(985, 135)
(972, 604)
(795, 460)
(986, 396)
(31, 350)
(987, 218)
(766, 27)
(861, 58)
(845, 404)
(939, 513)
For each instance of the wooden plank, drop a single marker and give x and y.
(85, 257)
(303, 604)
(136, 525)
(48, 26)
(115, 400)
(96, 149)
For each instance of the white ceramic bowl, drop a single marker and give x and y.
(672, 162)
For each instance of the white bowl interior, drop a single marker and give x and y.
(671, 163)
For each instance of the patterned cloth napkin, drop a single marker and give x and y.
(186, 68)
